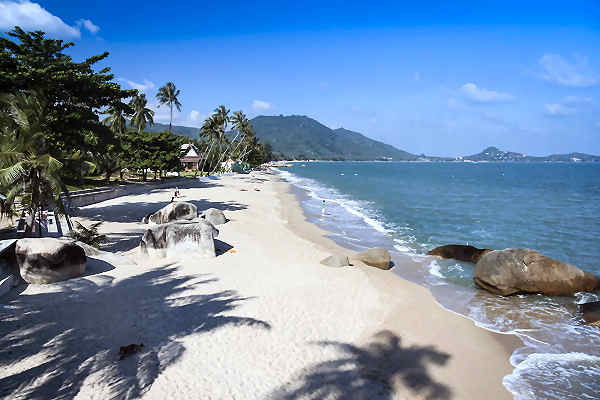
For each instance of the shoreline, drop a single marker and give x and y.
(507, 342)
(263, 316)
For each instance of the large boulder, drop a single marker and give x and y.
(511, 271)
(459, 252)
(179, 238)
(175, 211)
(49, 260)
(214, 216)
(590, 312)
(336, 260)
(376, 257)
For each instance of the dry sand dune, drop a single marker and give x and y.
(261, 320)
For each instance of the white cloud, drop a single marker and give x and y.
(556, 109)
(261, 105)
(89, 25)
(194, 115)
(480, 95)
(558, 70)
(143, 87)
(576, 100)
(31, 16)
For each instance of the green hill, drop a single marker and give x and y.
(178, 129)
(495, 154)
(298, 136)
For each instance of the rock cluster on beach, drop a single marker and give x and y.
(459, 252)
(512, 271)
(336, 260)
(214, 216)
(49, 260)
(179, 237)
(178, 210)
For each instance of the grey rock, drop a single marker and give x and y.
(214, 216)
(511, 271)
(336, 260)
(49, 260)
(178, 238)
(376, 257)
(590, 312)
(175, 211)
(459, 252)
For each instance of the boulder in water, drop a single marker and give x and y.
(590, 312)
(376, 257)
(459, 252)
(214, 216)
(180, 238)
(336, 260)
(511, 271)
(175, 211)
(49, 260)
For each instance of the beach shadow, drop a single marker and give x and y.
(370, 372)
(222, 247)
(96, 266)
(80, 328)
(122, 241)
(125, 212)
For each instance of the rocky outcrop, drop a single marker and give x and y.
(214, 216)
(511, 271)
(376, 257)
(590, 312)
(49, 260)
(459, 252)
(179, 238)
(336, 260)
(175, 211)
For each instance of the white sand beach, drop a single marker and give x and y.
(264, 319)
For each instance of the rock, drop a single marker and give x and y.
(513, 271)
(376, 257)
(49, 260)
(459, 252)
(336, 260)
(590, 312)
(175, 211)
(178, 238)
(214, 216)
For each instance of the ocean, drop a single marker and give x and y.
(410, 208)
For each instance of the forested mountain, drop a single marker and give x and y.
(302, 137)
(495, 154)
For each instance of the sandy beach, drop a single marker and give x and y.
(264, 319)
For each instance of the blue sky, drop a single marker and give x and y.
(431, 77)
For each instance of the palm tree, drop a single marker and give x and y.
(27, 171)
(241, 125)
(116, 118)
(168, 95)
(221, 115)
(141, 114)
(210, 131)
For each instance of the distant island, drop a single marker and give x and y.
(302, 138)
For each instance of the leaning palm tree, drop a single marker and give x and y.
(27, 170)
(168, 95)
(141, 115)
(221, 115)
(241, 125)
(115, 119)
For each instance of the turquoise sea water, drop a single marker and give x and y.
(411, 208)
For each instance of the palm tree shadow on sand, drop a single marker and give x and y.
(370, 372)
(152, 308)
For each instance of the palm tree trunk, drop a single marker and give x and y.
(171, 120)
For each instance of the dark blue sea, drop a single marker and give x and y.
(410, 208)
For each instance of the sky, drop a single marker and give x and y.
(435, 77)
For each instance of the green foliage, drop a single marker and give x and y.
(88, 235)
(28, 172)
(142, 116)
(168, 95)
(157, 151)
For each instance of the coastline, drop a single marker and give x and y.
(466, 361)
(261, 320)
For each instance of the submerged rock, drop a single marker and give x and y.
(336, 260)
(590, 312)
(49, 260)
(214, 216)
(376, 257)
(513, 271)
(459, 252)
(176, 211)
(179, 238)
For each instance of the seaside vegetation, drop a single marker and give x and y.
(65, 125)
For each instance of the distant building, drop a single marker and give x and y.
(190, 157)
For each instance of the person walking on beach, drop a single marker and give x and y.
(323, 208)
